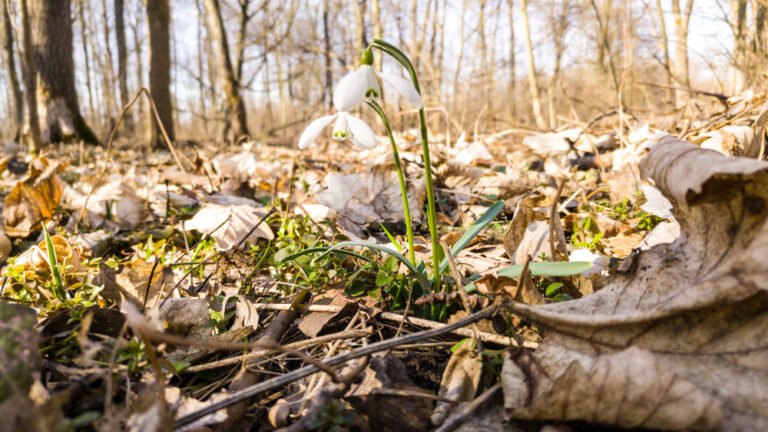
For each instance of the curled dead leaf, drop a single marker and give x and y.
(677, 342)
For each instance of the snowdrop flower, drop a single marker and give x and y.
(347, 126)
(362, 84)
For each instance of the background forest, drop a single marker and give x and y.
(222, 69)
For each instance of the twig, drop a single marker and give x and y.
(458, 417)
(282, 380)
(418, 322)
(265, 352)
(552, 216)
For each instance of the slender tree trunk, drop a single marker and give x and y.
(235, 120)
(57, 97)
(361, 41)
(122, 61)
(202, 97)
(664, 43)
(108, 73)
(30, 80)
(533, 80)
(159, 19)
(605, 50)
(86, 55)
(512, 66)
(681, 44)
(738, 26)
(483, 54)
(9, 60)
(327, 93)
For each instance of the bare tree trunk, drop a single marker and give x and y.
(738, 26)
(136, 28)
(30, 80)
(533, 79)
(483, 54)
(235, 120)
(202, 105)
(605, 48)
(122, 61)
(86, 56)
(9, 60)
(52, 47)
(664, 43)
(327, 95)
(682, 19)
(108, 68)
(159, 19)
(459, 59)
(361, 41)
(512, 69)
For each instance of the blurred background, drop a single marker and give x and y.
(221, 70)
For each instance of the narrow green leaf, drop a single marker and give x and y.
(479, 225)
(557, 268)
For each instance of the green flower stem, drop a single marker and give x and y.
(431, 208)
(401, 178)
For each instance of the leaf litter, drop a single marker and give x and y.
(663, 328)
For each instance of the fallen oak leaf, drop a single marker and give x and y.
(679, 343)
(33, 199)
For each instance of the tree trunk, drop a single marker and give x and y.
(681, 45)
(533, 80)
(159, 19)
(86, 56)
(512, 69)
(9, 60)
(122, 61)
(664, 43)
(30, 80)
(52, 48)
(328, 92)
(235, 120)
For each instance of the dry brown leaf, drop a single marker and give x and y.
(460, 380)
(528, 234)
(387, 412)
(679, 341)
(33, 199)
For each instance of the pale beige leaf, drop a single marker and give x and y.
(230, 224)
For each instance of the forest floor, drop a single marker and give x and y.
(195, 289)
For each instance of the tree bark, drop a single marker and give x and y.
(681, 44)
(30, 80)
(664, 42)
(51, 25)
(533, 80)
(512, 68)
(235, 120)
(86, 55)
(159, 19)
(9, 60)
(122, 61)
(328, 92)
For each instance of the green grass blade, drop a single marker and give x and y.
(324, 250)
(479, 225)
(58, 289)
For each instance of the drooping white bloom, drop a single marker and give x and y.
(362, 84)
(347, 126)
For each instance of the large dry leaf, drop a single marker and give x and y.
(231, 225)
(33, 199)
(372, 196)
(677, 342)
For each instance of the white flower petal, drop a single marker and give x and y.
(341, 129)
(350, 91)
(360, 133)
(313, 130)
(404, 87)
(372, 92)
